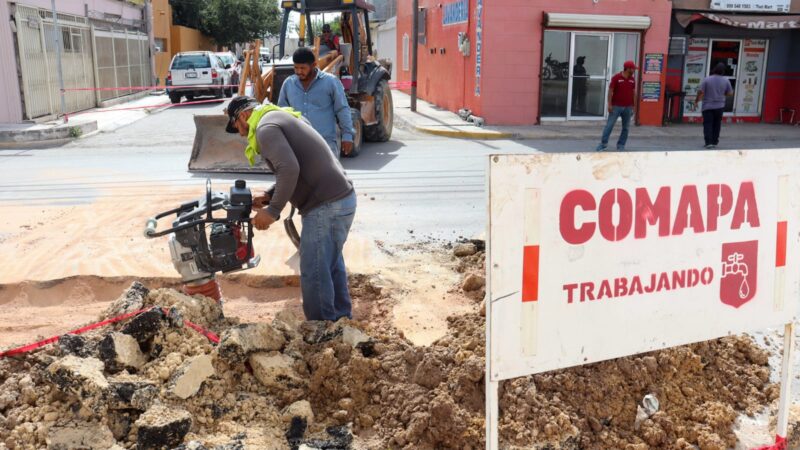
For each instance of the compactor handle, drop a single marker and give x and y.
(150, 227)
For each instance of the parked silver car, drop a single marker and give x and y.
(193, 74)
(233, 66)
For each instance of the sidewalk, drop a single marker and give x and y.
(434, 120)
(79, 124)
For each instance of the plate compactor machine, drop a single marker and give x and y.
(202, 245)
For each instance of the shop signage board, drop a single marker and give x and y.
(693, 73)
(778, 6)
(599, 256)
(455, 12)
(653, 62)
(651, 91)
(751, 73)
(478, 45)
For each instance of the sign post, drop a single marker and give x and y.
(587, 250)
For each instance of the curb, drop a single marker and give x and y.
(54, 136)
(404, 123)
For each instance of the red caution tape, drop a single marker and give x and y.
(31, 347)
(132, 108)
(780, 444)
(147, 88)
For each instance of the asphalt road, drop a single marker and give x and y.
(415, 187)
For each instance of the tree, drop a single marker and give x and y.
(187, 13)
(336, 25)
(237, 21)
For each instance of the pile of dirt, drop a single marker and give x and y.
(155, 382)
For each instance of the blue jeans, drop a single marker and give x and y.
(323, 277)
(617, 111)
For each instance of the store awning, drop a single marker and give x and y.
(596, 21)
(782, 22)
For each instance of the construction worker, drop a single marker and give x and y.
(621, 98)
(308, 176)
(320, 97)
(328, 39)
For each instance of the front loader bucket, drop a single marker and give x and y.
(216, 150)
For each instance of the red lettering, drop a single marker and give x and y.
(718, 203)
(663, 282)
(707, 275)
(636, 285)
(570, 288)
(605, 290)
(678, 279)
(688, 212)
(623, 201)
(648, 212)
(694, 277)
(652, 285)
(620, 287)
(746, 209)
(586, 291)
(574, 199)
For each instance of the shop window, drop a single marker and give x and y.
(405, 52)
(555, 73)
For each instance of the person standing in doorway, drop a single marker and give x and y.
(712, 92)
(621, 98)
(579, 78)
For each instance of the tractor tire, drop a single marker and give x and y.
(229, 92)
(384, 111)
(175, 98)
(220, 93)
(358, 137)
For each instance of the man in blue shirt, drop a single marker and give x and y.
(712, 92)
(320, 97)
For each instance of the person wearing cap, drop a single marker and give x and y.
(328, 39)
(621, 98)
(320, 97)
(309, 177)
(712, 92)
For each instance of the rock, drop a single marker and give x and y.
(239, 342)
(120, 422)
(130, 301)
(473, 282)
(341, 439)
(72, 344)
(131, 392)
(296, 431)
(190, 375)
(319, 331)
(144, 326)
(353, 336)
(274, 370)
(121, 351)
(301, 409)
(80, 436)
(82, 377)
(465, 249)
(161, 427)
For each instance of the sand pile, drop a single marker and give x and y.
(154, 382)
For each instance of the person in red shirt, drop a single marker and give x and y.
(621, 98)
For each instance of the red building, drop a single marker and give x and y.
(532, 61)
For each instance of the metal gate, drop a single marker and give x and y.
(122, 59)
(36, 41)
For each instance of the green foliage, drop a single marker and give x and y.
(75, 132)
(232, 21)
(336, 24)
(229, 21)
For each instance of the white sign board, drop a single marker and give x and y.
(780, 6)
(598, 256)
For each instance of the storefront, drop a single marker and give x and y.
(525, 63)
(761, 53)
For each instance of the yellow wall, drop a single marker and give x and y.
(176, 38)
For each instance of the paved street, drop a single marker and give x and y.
(413, 187)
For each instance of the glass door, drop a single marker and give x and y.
(589, 75)
(727, 52)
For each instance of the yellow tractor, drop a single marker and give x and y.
(366, 83)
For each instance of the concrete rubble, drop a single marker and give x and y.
(290, 384)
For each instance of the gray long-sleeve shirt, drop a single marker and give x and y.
(306, 173)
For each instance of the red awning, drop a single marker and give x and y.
(782, 22)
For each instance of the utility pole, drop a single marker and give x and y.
(414, 44)
(58, 57)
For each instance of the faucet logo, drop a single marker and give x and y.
(739, 270)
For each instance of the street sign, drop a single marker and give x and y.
(778, 6)
(599, 256)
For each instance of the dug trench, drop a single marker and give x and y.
(277, 382)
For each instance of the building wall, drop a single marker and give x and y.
(385, 36)
(122, 8)
(11, 104)
(783, 77)
(162, 22)
(511, 57)
(185, 39)
(445, 77)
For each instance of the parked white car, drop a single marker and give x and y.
(232, 66)
(192, 74)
